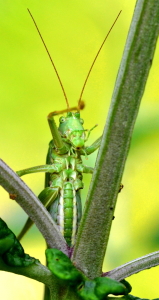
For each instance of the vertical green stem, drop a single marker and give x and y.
(130, 84)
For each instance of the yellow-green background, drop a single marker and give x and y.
(29, 90)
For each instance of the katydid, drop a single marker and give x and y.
(64, 166)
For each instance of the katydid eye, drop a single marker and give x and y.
(62, 119)
(81, 121)
(77, 115)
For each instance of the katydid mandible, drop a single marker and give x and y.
(64, 166)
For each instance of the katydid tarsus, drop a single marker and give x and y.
(64, 166)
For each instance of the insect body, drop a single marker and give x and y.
(64, 171)
(64, 167)
(66, 210)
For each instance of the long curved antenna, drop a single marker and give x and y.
(50, 58)
(80, 98)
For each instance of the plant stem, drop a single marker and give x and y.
(130, 84)
(134, 266)
(35, 271)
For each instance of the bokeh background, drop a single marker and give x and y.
(29, 90)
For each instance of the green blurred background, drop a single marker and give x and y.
(74, 31)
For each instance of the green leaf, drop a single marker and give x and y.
(87, 291)
(11, 250)
(61, 266)
(105, 286)
(100, 287)
(7, 238)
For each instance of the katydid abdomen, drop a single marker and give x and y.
(66, 210)
(66, 213)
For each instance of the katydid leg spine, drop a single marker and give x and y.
(64, 167)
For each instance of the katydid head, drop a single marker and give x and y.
(71, 128)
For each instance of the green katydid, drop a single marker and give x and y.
(64, 167)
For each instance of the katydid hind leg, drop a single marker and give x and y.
(47, 196)
(26, 227)
(79, 207)
(48, 161)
